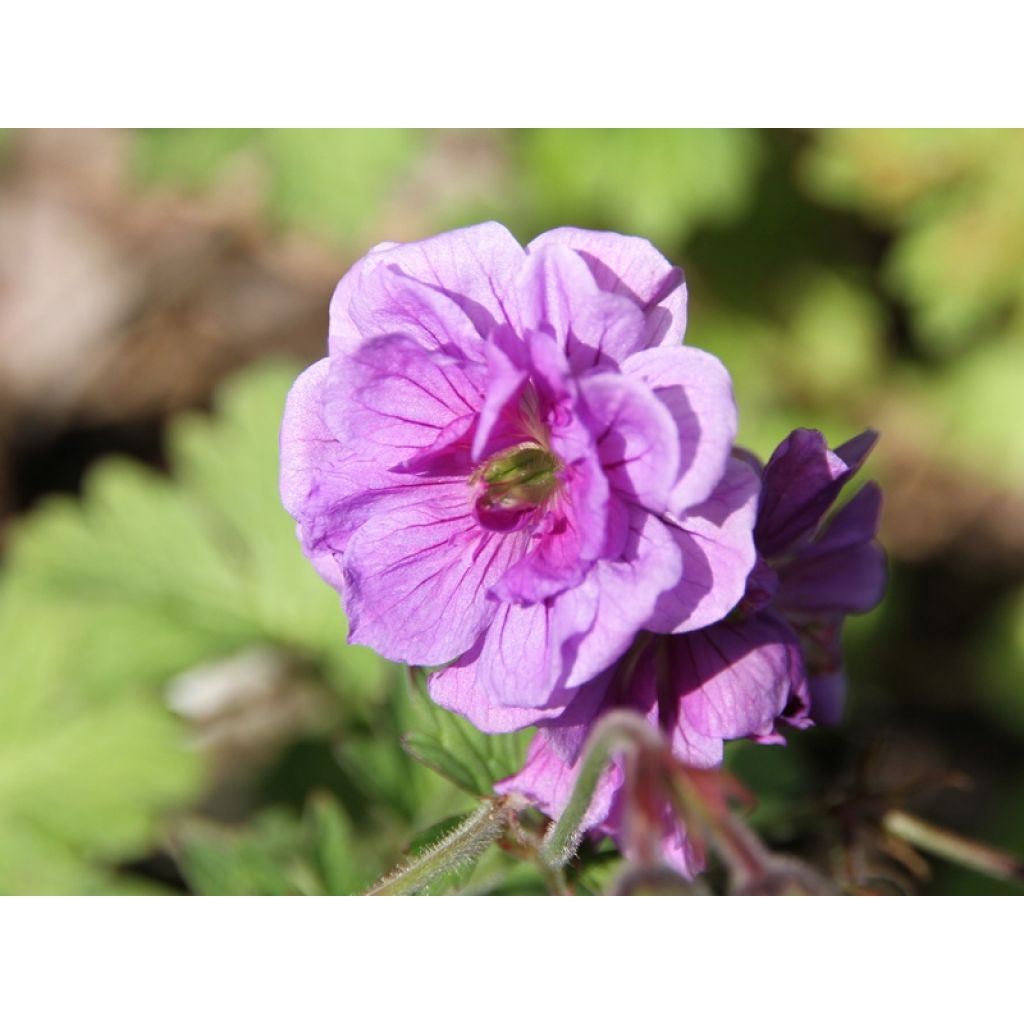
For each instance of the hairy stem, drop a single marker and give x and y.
(458, 848)
(619, 732)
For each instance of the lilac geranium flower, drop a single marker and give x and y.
(775, 658)
(510, 462)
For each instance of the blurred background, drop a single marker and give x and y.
(178, 709)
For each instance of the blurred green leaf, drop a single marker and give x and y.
(84, 776)
(885, 170)
(956, 200)
(332, 840)
(328, 181)
(195, 566)
(457, 750)
(105, 600)
(976, 410)
(278, 853)
(264, 859)
(660, 183)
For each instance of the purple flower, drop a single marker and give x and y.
(509, 461)
(775, 658)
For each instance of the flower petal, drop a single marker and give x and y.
(473, 267)
(563, 547)
(528, 651)
(629, 589)
(630, 266)
(843, 571)
(393, 401)
(416, 579)
(556, 294)
(458, 689)
(317, 472)
(733, 680)
(827, 696)
(801, 481)
(637, 441)
(717, 547)
(696, 390)
(573, 530)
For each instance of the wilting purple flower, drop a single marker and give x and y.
(509, 458)
(775, 658)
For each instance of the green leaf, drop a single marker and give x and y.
(457, 750)
(328, 181)
(661, 184)
(332, 839)
(195, 566)
(84, 775)
(264, 859)
(956, 200)
(106, 599)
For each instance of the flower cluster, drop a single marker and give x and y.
(510, 466)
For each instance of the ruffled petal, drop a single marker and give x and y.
(630, 266)
(572, 532)
(528, 651)
(637, 441)
(396, 402)
(717, 548)
(567, 541)
(734, 680)
(416, 579)
(696, 390)
(458, 689)
(801, 481)
(556, 294)
(317, 474)
(473, 268)
(629, 589)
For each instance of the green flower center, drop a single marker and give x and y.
(519, 478)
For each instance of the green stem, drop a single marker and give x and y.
(967, 852)
(618, 732)
(459, 848)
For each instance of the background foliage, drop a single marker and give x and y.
(178, 708)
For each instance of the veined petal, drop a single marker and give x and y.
(500, 424)
(630, 589)
(314, 469)
(556, 294)
(458, 689)
(630, 266)
(567, 540)
(637, 441)
(473, 267)
(390, 303)
(416, 580)
(800, 483)
(716, 544)
(393, 400)
(696, 390)
(528, 651)
(733, 680)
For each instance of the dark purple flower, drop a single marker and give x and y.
(510, 461)
(775, 658)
